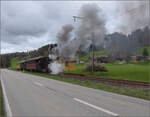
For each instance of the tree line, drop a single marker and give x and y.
(117, 44)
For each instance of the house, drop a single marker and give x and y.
(68, 64)
(101, 59)
(137, 58)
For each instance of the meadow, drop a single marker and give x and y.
(132, 71)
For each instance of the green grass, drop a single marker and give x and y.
(132, 71)
(14, 62)
(2, 112)
(109, 88)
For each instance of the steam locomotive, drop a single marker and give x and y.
(38, 64)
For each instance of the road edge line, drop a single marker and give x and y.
(7, 107)
(39, 84)
(96, 107)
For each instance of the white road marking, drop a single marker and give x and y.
(96, 107)
(37, 83)
(7, 106)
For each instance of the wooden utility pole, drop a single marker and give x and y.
(92, 52)
(92, 35)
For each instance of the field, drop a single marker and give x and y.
(132, 71)
(1, 102)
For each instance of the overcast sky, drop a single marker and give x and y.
(28, 25)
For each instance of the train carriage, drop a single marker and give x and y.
(39, 64)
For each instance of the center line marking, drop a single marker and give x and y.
(37, 83)
(96, 107)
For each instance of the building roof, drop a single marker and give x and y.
(22, 61)
(32, 59)
(36, 58)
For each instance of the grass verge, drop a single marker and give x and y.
(2, 112)
(109, 88)
(14, 62)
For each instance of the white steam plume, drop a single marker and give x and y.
(55, 67)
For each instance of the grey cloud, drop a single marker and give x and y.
(22, 21)
(134, 15)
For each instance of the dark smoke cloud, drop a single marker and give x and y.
(92, 28)
(134, 15)
(67, 46)
(65, 34)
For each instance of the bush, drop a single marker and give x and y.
(97, 68)
(145, 52)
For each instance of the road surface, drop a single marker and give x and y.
(29, 95)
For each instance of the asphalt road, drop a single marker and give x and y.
(30, 95)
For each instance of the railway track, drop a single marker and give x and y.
(106, 80)
(101, 80)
